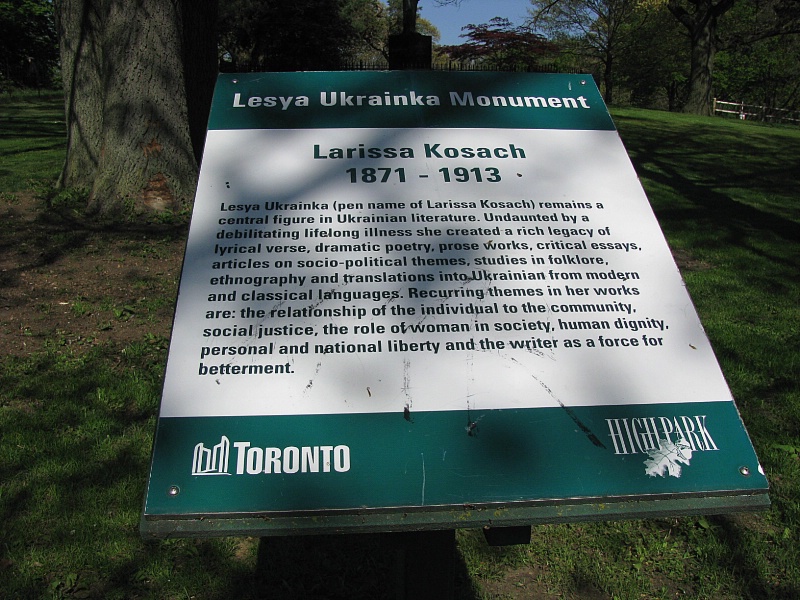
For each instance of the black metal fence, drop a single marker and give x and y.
(449, 65)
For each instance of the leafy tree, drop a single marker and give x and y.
(654, 67)
(273, 35)
(500, 45)
(701, 19)
(370, 24)
(374, 25)
(754, 66)
(765, 73)
(138, 78)
(604, 28)
(28, 44)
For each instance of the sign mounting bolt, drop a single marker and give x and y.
(173, 490)
(744, 471)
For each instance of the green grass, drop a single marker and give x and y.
(77, 426)
(32, 131)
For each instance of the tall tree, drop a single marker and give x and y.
(370, 25)
(374, 21)
(272, 35)
(307, 34)
(399, 15)
(604, 26)
(700, 18)
(653, 70)
(765, 73)
(138, 77)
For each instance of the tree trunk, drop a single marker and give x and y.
(700, 72)
(78, 23)
(702, 27)
(133, 71)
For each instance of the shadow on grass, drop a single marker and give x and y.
(357, 566)
(727, 195)
(28, 115)
(77, 432)
(742, 561)
(53, 233)
(711, 170)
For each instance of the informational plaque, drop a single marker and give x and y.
(420, 300)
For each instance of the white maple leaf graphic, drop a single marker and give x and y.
(664, 460)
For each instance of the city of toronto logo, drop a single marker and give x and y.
(212, 461)
(255, 459)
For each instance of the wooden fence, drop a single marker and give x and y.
(757, 113)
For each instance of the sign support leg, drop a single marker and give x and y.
(426, 565)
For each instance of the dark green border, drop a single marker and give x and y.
(436, 463)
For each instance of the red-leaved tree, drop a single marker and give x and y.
(500, 45)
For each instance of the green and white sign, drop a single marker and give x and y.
(431, 300)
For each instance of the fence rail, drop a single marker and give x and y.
(755, 112)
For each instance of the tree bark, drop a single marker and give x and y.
(78, 24)
(133, 75)
(701, 23)
(703, 50)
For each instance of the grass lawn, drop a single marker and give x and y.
(86, 313)
(33, 137)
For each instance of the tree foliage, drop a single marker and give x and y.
(273, 35)
(605, 29)
(702, 20)
(28, 44)
(758, 61)
(653, 70)
(370, 24)
(499, 44)
(637, 47)
(405, 18)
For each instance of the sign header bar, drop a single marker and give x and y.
(407, 99)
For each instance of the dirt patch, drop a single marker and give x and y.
(521, 583)
(686, 262)
(67, 281)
